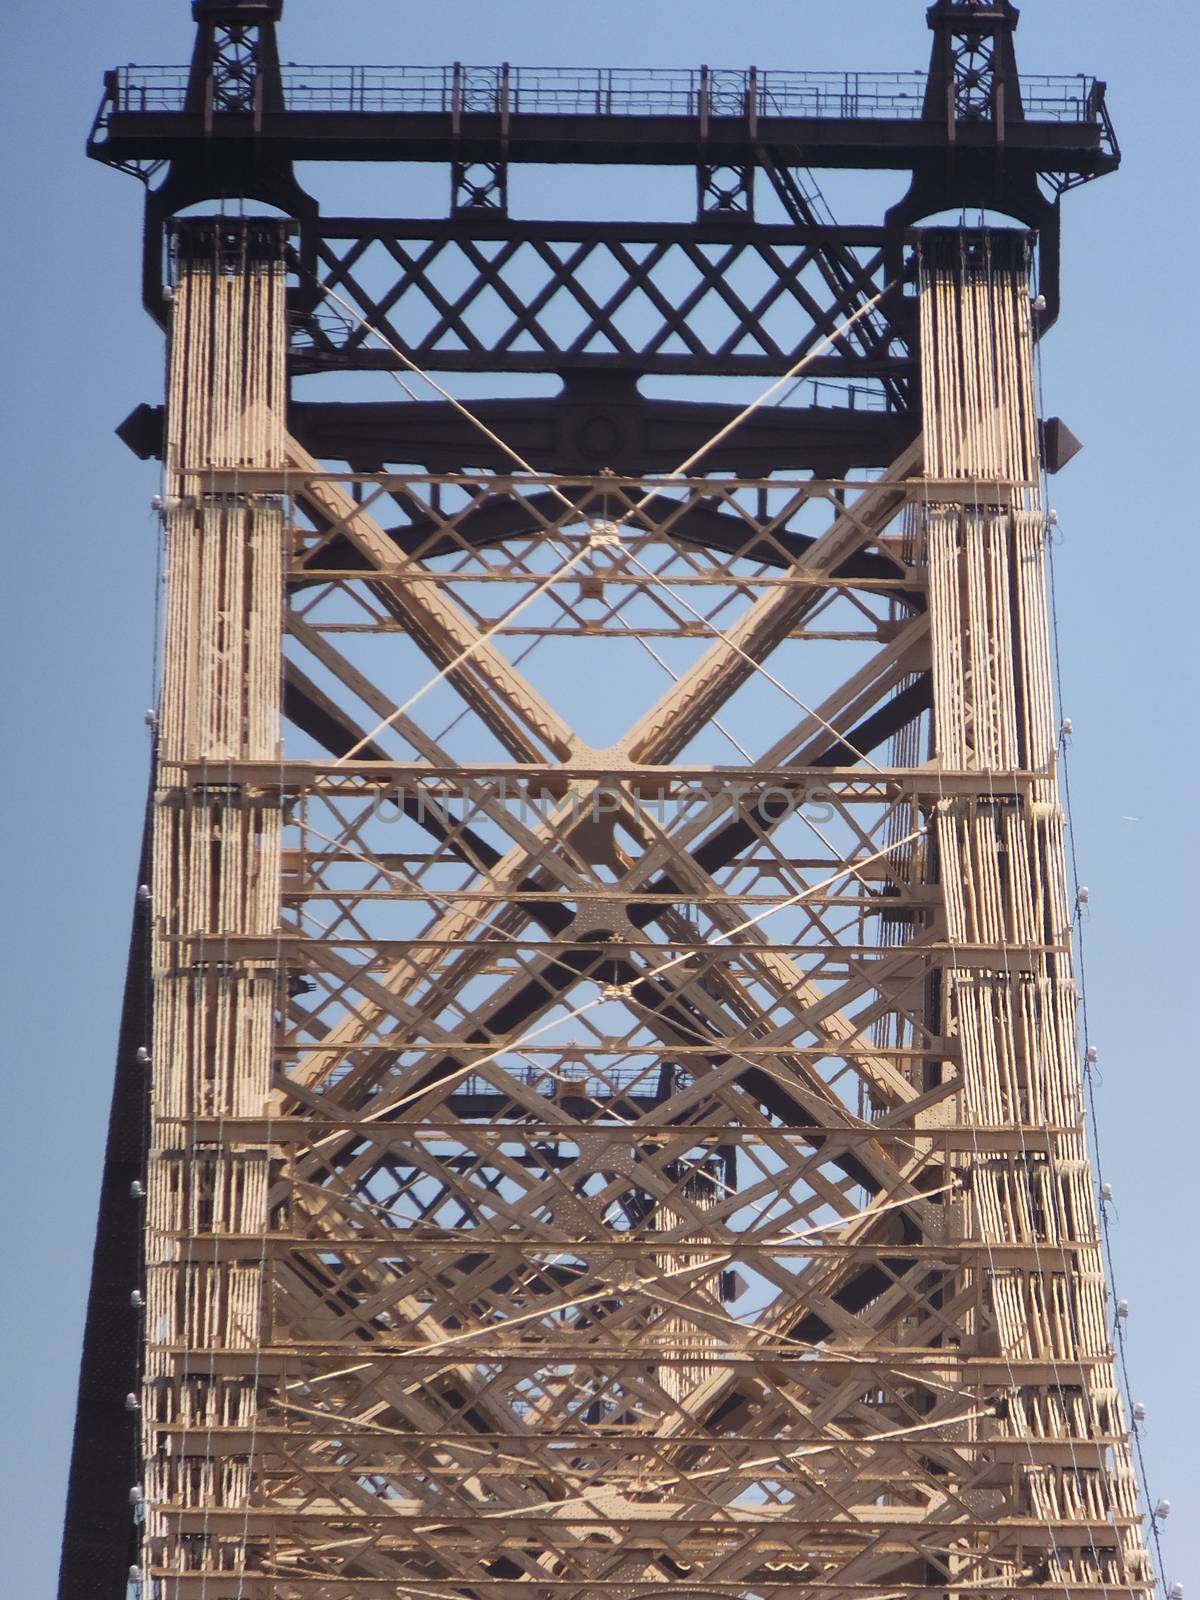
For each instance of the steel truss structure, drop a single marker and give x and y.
(612, 1111)
(757, 277)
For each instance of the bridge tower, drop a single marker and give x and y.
(597, 1109)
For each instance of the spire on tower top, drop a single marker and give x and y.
(235, 10)
(973, 69)
(235, 60)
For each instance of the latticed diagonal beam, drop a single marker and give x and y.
(538, 274)
(485, 679)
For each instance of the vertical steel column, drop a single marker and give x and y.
(215, 887)
(1005, 975)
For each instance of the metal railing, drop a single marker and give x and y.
(607, 91)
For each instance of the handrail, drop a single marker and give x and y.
(464, 91)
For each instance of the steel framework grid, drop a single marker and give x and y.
(607, 1167)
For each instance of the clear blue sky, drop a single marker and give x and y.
(79, 599)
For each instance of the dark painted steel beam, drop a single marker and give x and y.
(864, 142)
(99, 1536)
(580, 431)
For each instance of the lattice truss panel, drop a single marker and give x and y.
(616, 1125)
(539, 293)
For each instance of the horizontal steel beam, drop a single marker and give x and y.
(861, 142)
(871, 787)
(579, 431)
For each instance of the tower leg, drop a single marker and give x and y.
(215, 891)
